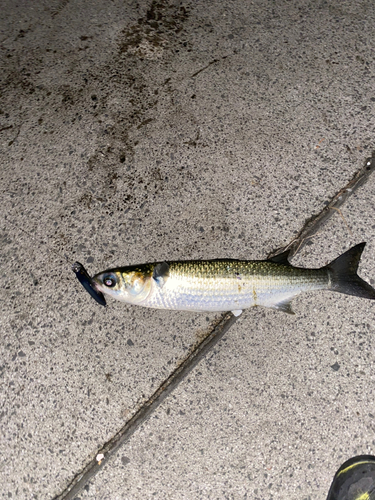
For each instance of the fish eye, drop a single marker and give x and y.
(109, 281)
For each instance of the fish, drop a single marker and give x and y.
(229, 285)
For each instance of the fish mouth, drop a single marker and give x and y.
(88, 283)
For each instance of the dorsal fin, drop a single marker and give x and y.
(281, 258)
(161, 273)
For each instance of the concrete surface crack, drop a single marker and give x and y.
(163, 391)
(198, 352)
(316, 222)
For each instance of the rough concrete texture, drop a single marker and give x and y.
(135, 132)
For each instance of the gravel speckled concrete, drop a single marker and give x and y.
(150, 130)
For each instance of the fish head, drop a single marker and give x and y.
(127, 285)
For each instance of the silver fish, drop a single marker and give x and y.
(230, 285)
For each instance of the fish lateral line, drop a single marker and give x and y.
(79, 270)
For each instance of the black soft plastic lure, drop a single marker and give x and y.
(87, 283)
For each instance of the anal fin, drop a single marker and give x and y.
(284, 306)
(237, 312)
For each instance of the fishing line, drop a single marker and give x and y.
(81, 274)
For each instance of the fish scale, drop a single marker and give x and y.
(224, 285)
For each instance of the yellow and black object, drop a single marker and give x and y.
(355, 480)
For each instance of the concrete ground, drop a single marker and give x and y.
(141, 131)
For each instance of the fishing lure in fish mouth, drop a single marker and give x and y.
(87, 283)
(225, 285)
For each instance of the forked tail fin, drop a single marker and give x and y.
(343, 274)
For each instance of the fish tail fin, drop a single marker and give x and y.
(343, 274)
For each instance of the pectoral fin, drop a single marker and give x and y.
(161, 273)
